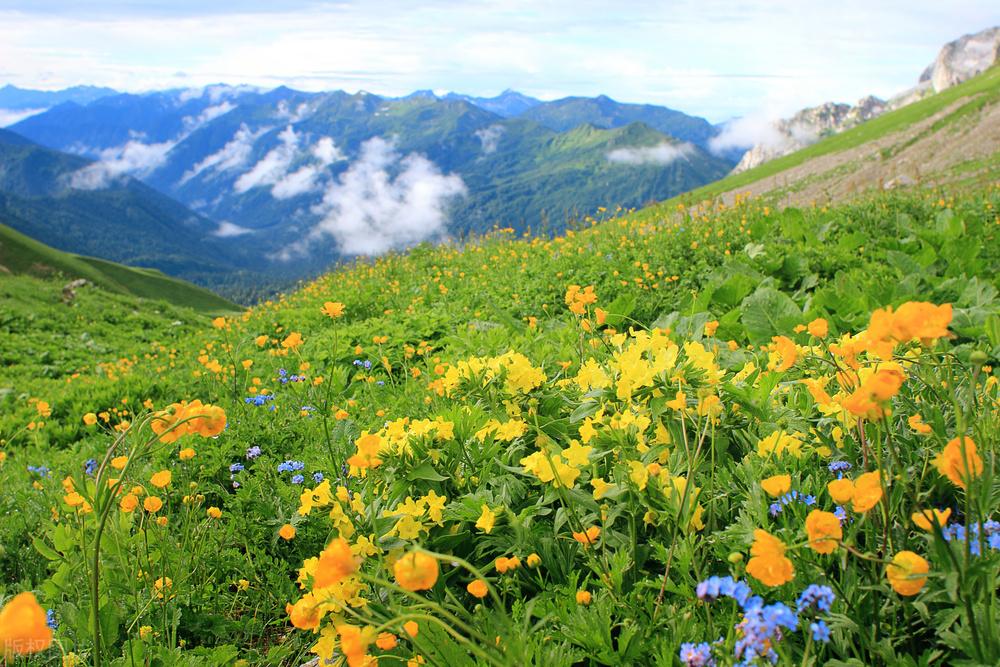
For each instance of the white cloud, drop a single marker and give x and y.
(192, 123)
(490, 137)
(272, 167)
(228, 229)
(327, 152)
(131, 159)
(231, 156)
(384, 201)
(661, 154)
(300, 113)
(751, 130)
(10, 116)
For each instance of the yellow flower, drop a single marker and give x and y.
(534, 560)
(416, 571)
(214, 512)
(639, 474)
(928, 519)
(486, 520)
(219, 323)
(162, 584)
(23, 627)
(768, 563)
(824, 531)
(583, 597)
(161, 479)
(44, 409)
(777, 485)
(904, 573)
(958, 468)
(778, 443)
(186, 454)
(119, 462)
(478, 588)
(287, 532)
(90, 419)
(600, 487)
(292, 341)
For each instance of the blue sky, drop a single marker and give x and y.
(716, 58)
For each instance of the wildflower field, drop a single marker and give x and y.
(698, 436)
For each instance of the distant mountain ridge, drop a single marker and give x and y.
(12, 97)
(294, 181)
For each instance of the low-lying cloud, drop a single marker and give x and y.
(274, 169)
(232, 156)
(10, 116)
(384, 201)
(661, 154)
(753, 130)
(229, 229)
(131, 159)
(490, 137)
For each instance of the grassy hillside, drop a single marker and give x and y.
(20, 254)
(535, 450)
(953, 105)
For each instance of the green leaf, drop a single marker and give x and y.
(426, 471)
(768, 312)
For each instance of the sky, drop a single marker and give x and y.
(714, 58)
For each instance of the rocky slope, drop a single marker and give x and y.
(957, 61)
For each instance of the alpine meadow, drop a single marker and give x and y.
(310, 378)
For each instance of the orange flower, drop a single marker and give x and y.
(916, 422)
(304, 614)
(354, 643)
(386, 641)
(818, 328)
(416, 571)
(209, 422)
(915, 319)
(128, 503)
(368, 446)
(841, 490)
(824, 531)
(186, 454)
(333, 309)
(590, 536)
(583, 597)
(152, 504)
(292, 341)
(905, 572)
(777, 485)
(786, 348)
(768, 563)
(287, 532)
(161, 479)
(23, 627)
(958, 468)
(411, 628)
(336, 563)
(478, 588)
(505, 565)
(867, 492)
(928, 519)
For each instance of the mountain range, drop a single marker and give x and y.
(282, 183)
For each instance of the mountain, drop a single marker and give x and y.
(296, 181)
(507, 104)
(948, 139)
(602, 111)
(127, 222)
(957, 61)
(22, 255)
(12, 97)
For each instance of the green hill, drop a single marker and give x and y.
(22, 255)
(945, 138)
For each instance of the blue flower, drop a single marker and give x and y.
(253, 452)
(820, 631)
(839, 467)
(816, 597)
(259, 399)
(774, 509)
(50, 619)
(41, 471)
(696, 655)
(317, 477)
(90, 467)
(298, 479)
(291, 466)
(236, 467)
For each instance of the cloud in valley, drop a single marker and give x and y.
(228, 229)
(233, 155)
(10, 116)
(490, 137)
(384, 201)
(274, 168)
(661, 154)
(131, 159)
(752, 130)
